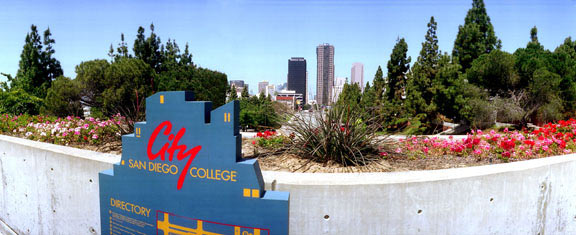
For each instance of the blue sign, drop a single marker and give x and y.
(182, 173)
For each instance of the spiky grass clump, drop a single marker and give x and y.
(340, 134)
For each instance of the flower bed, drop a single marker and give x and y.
(64, 131)
(552, 139)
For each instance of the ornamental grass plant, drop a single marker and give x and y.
(340, 134)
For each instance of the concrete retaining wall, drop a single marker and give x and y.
(49, 189)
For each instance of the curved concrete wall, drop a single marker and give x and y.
(49, 189)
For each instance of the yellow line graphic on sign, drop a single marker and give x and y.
(168, 228)
(161, 99)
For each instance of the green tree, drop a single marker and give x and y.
(398, 66)
(17, 101)
(126, 87)
(545, 102)
(475, 37)
(368, 101)
(530, 59)
(148, 49)
(244, 93)
(232, 93)
(63, 98)
(351, 97)
(494, 71)
(449, 86)
(564, 64)
(37, 67)
(420, 90)
(379, 86)
(91, 79)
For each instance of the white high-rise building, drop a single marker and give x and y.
(262, 87)
(337, 88)
(357, 75)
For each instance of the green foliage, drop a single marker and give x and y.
(475, 109)
(232, 93)
(173, 68)
(448, 83)
(495, 72)
(544, 96)
(393, 108)
(127, 83)
(63, 98)
(244, 93)
(379, 85)
(91, 78)
(398, 66)
(475, 37)
(420, 90)
(17, 101)
(351, 96)
(258, 113)
(148, 49)
(338, 134)
(564, 64)
(37, 67)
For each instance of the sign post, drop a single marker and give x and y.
(182, 173)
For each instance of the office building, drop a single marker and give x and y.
(297, 76)
(357, 75)
(325, 73)
(337, 88)
(262, 87)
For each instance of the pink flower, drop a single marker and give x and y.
(398, 150)
(383, 154)
(94, 136)
(477, 151)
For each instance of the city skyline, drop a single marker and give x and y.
(256, 48)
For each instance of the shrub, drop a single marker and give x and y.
(18, 101)
(270, 140)
(337, 134)
(63, 98)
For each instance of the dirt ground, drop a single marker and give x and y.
(292, 163)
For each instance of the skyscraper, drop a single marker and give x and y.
(325, 73)
(262, 87)
(357, 75)
(337, 88)
(297, 76)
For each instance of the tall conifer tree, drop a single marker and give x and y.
(420, 90)
(398, 66)
(475, 37)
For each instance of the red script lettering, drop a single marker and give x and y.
(174, 147)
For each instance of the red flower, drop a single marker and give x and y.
(259, 134)
(85, 138)
(506, 154)
(529, 142)
(253, 142)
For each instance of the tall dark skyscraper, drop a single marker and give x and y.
(297, 77)
(325, 73)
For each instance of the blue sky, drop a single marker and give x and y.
(252, 40)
